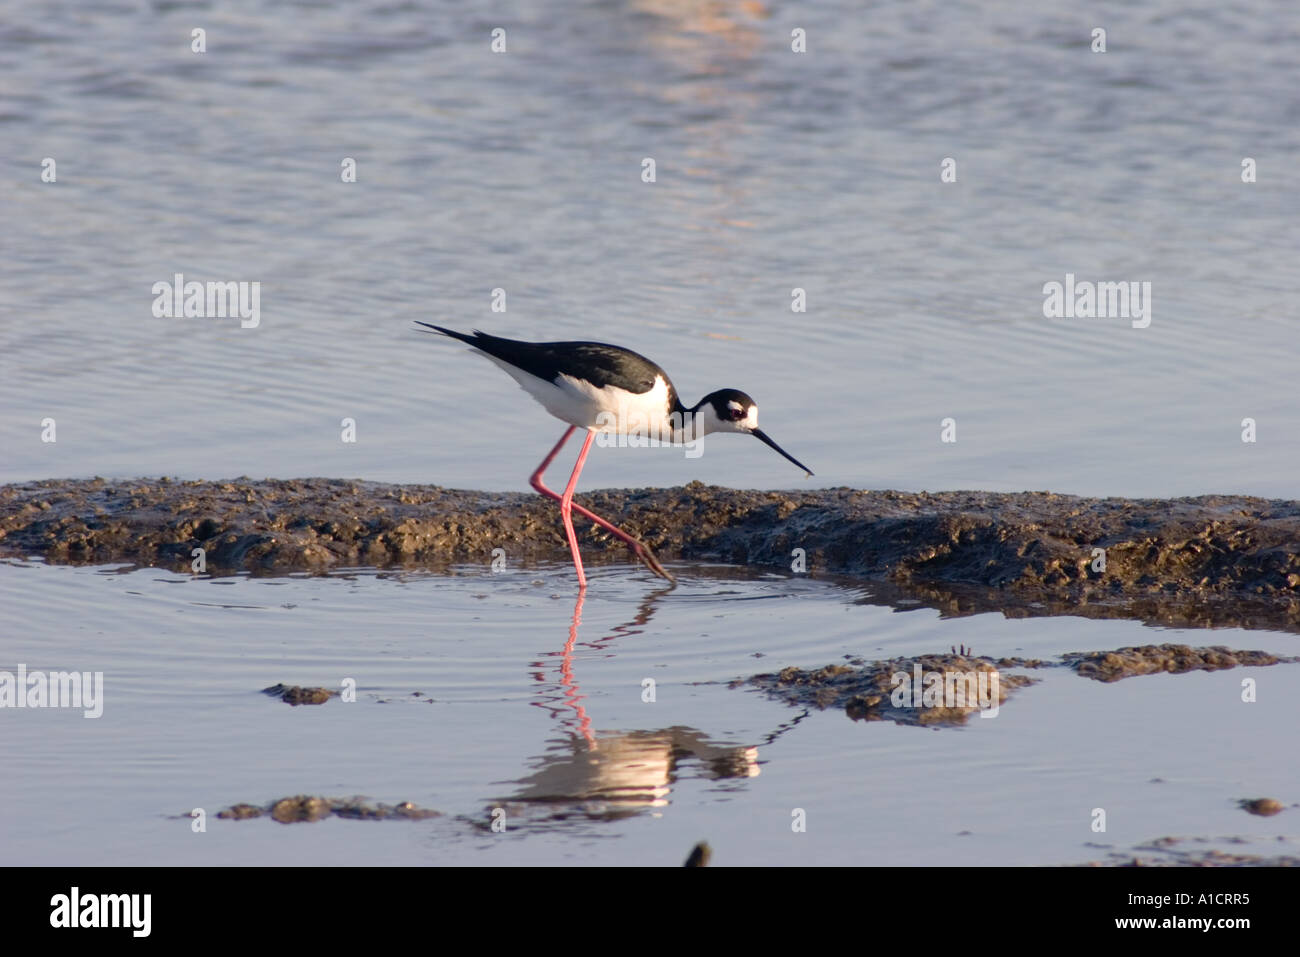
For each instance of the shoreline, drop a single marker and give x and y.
(1211, 560)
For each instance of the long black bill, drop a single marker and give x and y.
(763, 437)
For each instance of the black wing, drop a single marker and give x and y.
(598, 363)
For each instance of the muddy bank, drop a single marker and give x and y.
(1163, 659)
(944, 690)
(871, 691)
(297, 695)
(302, 807)
(1212, 560)
(1184, 852)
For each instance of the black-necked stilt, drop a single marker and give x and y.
(603, 388)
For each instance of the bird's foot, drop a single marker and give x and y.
(642, 551)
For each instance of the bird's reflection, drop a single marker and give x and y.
(567, 695)
(605, 775)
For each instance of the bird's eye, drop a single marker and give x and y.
(737, 414)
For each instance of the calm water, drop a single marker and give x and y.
(514, 720)
(522, 171)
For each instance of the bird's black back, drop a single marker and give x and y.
(596, 362)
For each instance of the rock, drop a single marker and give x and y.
(296, 695)
(870, 692)
(1154, 659)
(1264, 807)
(292, 810)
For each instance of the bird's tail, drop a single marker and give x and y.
(463, 337)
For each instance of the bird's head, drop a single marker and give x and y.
(730, 410)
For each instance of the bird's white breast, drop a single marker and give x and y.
(603, 409)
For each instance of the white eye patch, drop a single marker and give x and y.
(736, 412)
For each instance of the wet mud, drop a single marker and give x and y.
(1184, 852)
(296, 694)
(1163, 659)
(700, 855)
(1262, 807)
(867, 691)
(291, 810)
(944, 690)
(1206, 561)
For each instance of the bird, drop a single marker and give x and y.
(604, 388)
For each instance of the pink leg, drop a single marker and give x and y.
(574, 699)
(638, 548)
(535, 480)
(565, 500)
(566, 510)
